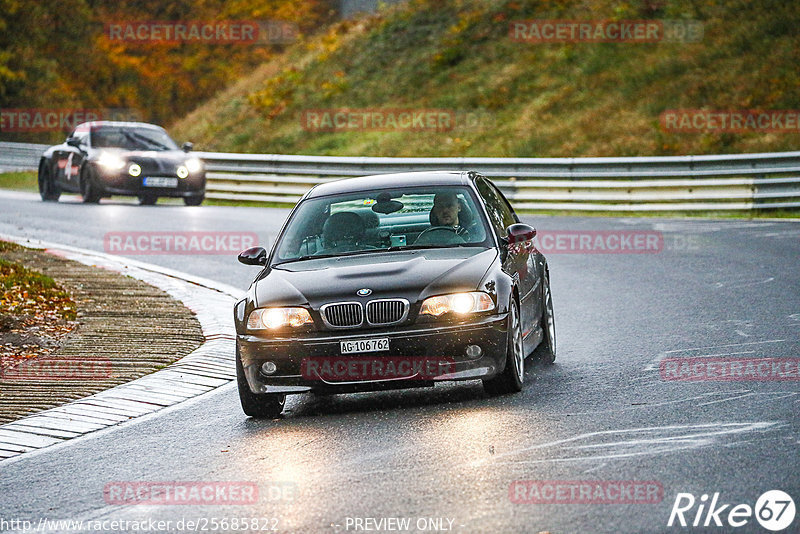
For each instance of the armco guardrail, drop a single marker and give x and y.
(20, 156)
(674, 183)
(670, 183)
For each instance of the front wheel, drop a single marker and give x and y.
(254, 404)
(89, 191)
(546, 351)
(48, 189)
(510, 380)
(195, 200)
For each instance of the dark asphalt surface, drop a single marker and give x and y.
(601, 413)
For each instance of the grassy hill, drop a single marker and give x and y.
(517, 99)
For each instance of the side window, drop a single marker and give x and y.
(500, 214)
(509, 216)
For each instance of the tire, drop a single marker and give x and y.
(546, 351)
(48, 189)
(266, 405)
(510, 380)
(194, 200)
(148, 200)
(89, 191)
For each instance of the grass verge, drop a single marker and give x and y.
(19, 181)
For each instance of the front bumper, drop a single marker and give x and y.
(442, 343)
(124, 184)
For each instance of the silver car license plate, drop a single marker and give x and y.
(364, 345)
(160, 181)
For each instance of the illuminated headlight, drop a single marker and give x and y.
(275, 318)
(193, 165)
(459, 303)
(182, 172)
(134, 170)
(110, 161)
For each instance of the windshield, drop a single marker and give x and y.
(131, 138)
(374, 221)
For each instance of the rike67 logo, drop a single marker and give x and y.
(774, 511)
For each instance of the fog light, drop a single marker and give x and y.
(474, 351)
(268, 368)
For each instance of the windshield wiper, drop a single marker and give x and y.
(152, 142)
(424, 247)
(370, 251)
(322, 256)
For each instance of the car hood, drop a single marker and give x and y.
(414, 275)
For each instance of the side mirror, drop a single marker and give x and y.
(253, 256)
(187, 146)
(73, 141)
(519, 233)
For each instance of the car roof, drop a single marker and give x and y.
(129, 124)
(389, 181)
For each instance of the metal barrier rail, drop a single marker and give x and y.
(669, 183)
(20, 156)
(674, 183)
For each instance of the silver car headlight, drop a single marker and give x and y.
(110, 161)
(193, 165)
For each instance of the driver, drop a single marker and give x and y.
(445, 212)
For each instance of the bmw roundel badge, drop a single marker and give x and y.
(364, 292)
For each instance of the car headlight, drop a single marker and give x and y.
(134, 170)
(193, 165)
(458, 303)
(275, 318)
(182, 172)
(110, 161)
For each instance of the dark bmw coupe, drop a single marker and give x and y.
(393, 281)
(105, 158)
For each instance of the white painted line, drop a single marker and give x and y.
(654, 365)
(41, 431)
(83, 410)
(26, 439)
(641, 442)
(726, 400)
(44, 420)
(14, 447)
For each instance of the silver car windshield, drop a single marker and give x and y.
(130, 138)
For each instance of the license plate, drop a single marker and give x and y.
(364, 345)
(160, 181)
